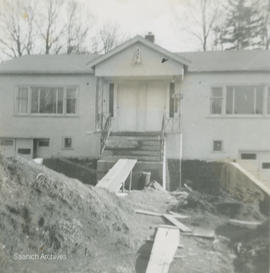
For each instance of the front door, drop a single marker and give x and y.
(140, 106)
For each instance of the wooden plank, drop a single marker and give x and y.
(178, 215)
(147, 212)
(117, 175)
(175, 222)
(246, 224)
(202, 233)
(163, 250)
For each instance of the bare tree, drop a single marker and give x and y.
(264, 6)
(108, 37)
(51, 29)
(16, 27)
(76, 30)
(199, 18)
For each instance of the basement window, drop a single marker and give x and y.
(44, 142)
(248, 156)
(266, 165)
(217, 145)
(67, 143)
(24, 151)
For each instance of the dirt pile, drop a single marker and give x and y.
(42, 211)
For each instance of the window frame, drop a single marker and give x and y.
(217, 98)
(39, 86)
(64, 142)
(213, 146)
(265, 89)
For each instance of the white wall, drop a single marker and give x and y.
(200, 128)
(122, 64)
(53, 127)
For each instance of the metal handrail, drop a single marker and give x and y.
(105, 133)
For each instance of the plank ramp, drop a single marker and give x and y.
(164, 248)
(117, 175)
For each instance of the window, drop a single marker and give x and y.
(244, 100)
(6, 142)
(217, 146)
(248, 156)
(173, 106)
(24, 151)
(111, 99)
(67, 142)
(216, 100)
(44, 142)
(71, 100)
(47, 100)
(266, 165)
(22, 100)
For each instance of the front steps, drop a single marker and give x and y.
(145, 147)
(140, 146)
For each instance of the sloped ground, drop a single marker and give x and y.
(91, 230)
(44, 212)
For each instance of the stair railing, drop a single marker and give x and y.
(105, 133)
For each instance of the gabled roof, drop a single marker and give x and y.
(145, 42)
(228, 61)
(48, 64)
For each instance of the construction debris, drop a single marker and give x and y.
(247, 224)
(152, 213)
(164, 248)
(175, 222)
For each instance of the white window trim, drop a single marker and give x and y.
(264, 113)
(212, 98)
(28, 113)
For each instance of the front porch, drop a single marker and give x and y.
(137, 104)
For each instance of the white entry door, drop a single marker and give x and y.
(156, 104)
(140, 106)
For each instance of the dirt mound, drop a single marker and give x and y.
(42, 211)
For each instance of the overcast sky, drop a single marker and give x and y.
(140, 16)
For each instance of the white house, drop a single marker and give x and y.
(139, 101)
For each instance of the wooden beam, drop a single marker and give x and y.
(175, 222)
(146, 212)
(246, 224)
(163, 250)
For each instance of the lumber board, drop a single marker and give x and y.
(147, 212)
(175, 222)
(178, 215)
(164, 248)
(246, 224)
(117, 175)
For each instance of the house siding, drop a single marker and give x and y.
(80, 126)
(200, 128)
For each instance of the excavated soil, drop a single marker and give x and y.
(84, 229)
